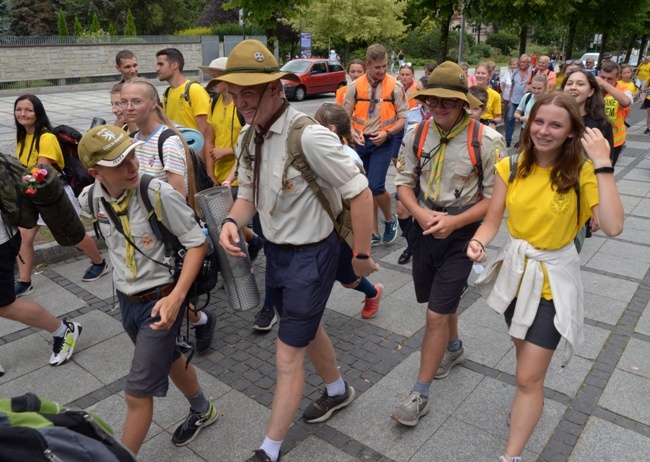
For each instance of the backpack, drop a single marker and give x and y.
(474, 140)
(185, 95)
(15, 206)
(35, 429)
(584, 231)
(201, 178)
(74, 173)
(214, 98)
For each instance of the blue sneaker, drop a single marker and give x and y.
(23, 288)
(376, 240)
(95, 271)
(390, 230)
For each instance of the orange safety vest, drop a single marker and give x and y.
(340, 95)
(386, 103)
(413, 103)
(617, 115)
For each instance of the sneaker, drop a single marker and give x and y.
(409, 412)
(512, 459)
(2, 371)
(254, 247)
(376, 240)
(647, 131)
(390, 230)
(23, 288)
(261, 456)
(371, 305)
(203, 333)
(194, 423)
(405, 257)
(323, 408)
(265, 319)
(64, 346)
(450, 360)
(184, 344)
(95, 271)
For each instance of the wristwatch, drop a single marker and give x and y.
(360, 256)
(389, 134)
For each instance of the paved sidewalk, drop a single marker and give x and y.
(598, 409)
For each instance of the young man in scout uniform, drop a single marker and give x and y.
(446, 213)
(302, 247)
(152, 304)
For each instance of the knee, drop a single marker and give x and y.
(288, 364)
(136, 403)
(352, 285)
(436, 321)
(527, 383)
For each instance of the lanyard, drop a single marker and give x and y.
(31, 148)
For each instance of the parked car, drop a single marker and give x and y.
(316, 76)
(593, 56)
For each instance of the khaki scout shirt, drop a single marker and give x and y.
(457, 170)
(374, 123)
(298, 218)
(178, 217)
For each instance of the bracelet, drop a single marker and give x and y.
(229, 220)
(604, 170)
(360, 256)
(479, 243)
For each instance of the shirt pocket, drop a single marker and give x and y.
(294, 183)
(143, 236)
(464, 174)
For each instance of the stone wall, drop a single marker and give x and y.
(61, 61)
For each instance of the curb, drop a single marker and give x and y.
(53, 253)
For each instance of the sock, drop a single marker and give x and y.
(60, 332)
(422, 388)
(272, 448)
(404, 224)
(268, 303)
(202, 320)
(367, 288)
(335, 388)
(454, 344)
(199, 403)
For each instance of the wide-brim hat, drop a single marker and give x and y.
(105, 145)
(218, 64)
(251, 63)
(607, 55)
(447, 81)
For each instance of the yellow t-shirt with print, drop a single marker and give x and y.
(226, 126)
(180, 111)
(493, 107)
(48, 147)
(544, 218)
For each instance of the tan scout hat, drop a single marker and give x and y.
(447, 81)
(218, 64)
(105, 145)
(251, 63)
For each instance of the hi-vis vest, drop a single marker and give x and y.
(385, 103)
(617, 115)
(413, 103)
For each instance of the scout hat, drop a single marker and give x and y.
(447, 81)
(607, 55)
(105, 145)
(218, 64)
(251, 63)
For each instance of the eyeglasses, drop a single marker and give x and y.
(135, 103)
(574, 61)
(446, 103)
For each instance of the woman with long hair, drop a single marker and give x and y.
(36, 143)
(534, 280)
(492, 115)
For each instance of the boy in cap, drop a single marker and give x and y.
(302, 247)
(152, 304)
(447, 211)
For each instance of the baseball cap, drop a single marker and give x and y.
(106, 145)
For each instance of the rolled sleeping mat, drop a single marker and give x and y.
(241, 287)
(193, 138)
(58, 213)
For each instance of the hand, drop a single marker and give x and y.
(167, 308)
(442, 225)
(364, 267)
(596, 147)
(475, 252)
(379, 138)
(219, 153)
(358, 138)
(225, 183)
(602, 84)
(595, 226)
(229, 240)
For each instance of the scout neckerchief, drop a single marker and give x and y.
(120, 210)
(436, 171)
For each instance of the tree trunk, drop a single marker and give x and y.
(644, 43)
(630, 45)
(444, 37)
(478, 32)
(523, 35)
(603, 47)
(271, 37)
(571, 36)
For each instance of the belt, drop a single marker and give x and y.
(450, 210)
(297, 247)
(150, 295)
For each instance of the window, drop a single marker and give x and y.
(334, 66)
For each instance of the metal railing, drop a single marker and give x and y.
(16, 41)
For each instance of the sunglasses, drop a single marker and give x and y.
(574, 61)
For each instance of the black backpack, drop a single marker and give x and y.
(74, 173)
(201, 178)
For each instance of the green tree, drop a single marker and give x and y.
(130, 30)
(78, 29)
(94, 25)
(63, 25)
(112, 30)
(29, 17)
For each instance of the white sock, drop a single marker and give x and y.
(272, 448)
(336, 388)
(202, 320)
(60, 332)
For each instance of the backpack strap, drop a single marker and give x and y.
(164, 136)
(213, 102)
(475, 138)
(418, 140)
(514, 160)
(186, 91)
(92, 208)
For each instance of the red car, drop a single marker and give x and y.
(316, 75)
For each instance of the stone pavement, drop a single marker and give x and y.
(598, 409)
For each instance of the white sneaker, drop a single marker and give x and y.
(64, 346)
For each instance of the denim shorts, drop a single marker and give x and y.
(155, 350)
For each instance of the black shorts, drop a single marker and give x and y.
(8, 253)
(441, 267)
(542, 331)
(645, 104)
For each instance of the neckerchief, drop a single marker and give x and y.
(436, 171)
(120, 210)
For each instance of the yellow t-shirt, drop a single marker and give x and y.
(48, 147)
(631, 86)
(493, 108)
(226, 127)
(180, 111)
(543, 217)
(643, 72)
